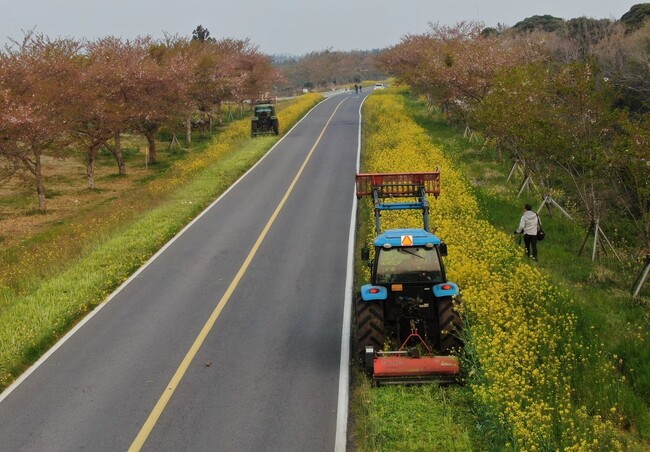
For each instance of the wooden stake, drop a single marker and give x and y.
(595, 228)
(584, 242)
(548, 201)
(523, 185)
(594, 251)
(484, 144)
(641, 279)
(174, 141)
(609, 243)
(512, 171)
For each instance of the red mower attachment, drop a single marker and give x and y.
(409, 367)
(390, 369)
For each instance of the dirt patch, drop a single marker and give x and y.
(67, 195)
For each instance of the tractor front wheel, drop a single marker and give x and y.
(370, 326)
(450, 325)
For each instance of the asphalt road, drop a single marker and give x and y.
(266, 375)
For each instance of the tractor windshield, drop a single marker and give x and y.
(413, 264)
(264, 111)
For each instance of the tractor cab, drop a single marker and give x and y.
(418, 263)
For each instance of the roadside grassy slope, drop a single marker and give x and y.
(41, 302)
(541, 371)
(612, 328)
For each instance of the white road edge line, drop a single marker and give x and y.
(98, 308)
(340, 443)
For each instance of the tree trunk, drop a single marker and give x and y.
(36, 168)
(219, 115)
(90, 167)
(151, 138)
(117, 152)
(188, 130)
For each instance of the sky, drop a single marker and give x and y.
(279, 27)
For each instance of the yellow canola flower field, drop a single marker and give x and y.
(521, 347)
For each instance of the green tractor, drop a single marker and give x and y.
(264, 121)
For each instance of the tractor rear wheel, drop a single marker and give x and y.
(370, 326)
(450, 325)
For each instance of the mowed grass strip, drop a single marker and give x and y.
(29, 324)
(408, 418)
(417, 418)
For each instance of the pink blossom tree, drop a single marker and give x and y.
(36, 80)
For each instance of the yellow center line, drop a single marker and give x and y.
(157, 411)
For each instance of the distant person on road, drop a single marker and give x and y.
(356, 88)
(359, 87)
(528, 226)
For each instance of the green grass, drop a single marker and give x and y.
(419, 418)
(20, 198)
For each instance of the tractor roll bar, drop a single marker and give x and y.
(398, 184)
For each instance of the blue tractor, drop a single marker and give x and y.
(407, 326)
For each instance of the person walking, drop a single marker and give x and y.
(529, 226)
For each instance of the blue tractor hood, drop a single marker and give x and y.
(406, 237)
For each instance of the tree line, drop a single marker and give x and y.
(322, 69)
(566, 101)
(64, 98)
